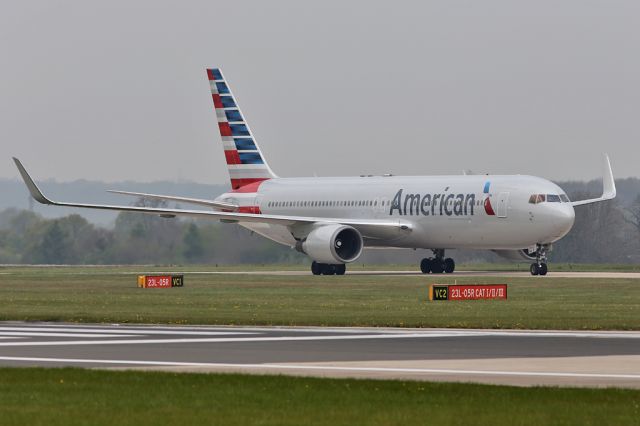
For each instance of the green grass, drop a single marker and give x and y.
(110, 295)
(75, 396)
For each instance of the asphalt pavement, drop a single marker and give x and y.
(524, 358)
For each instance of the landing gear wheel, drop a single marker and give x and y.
(425, 265)
(542, 269)
(316, 268)
(535, 269)
(437, 267)
(449, 265)
(540, 265)
(328, 269)
(341, 269)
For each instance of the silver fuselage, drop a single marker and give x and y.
(442, 211)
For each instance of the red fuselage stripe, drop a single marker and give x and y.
(246, 185)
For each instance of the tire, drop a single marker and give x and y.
(316, 268)
(534, 269)
(449, 265)
(328, 269)
(437, 267)
(543, 269)
(425, 265)
(341, 269)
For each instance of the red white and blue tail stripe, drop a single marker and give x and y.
(245, 161)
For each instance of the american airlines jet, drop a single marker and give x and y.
(333, 219)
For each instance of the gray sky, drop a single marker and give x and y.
(116, 90)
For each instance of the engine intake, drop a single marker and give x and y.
(332, 244)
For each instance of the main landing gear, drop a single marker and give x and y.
(539, 267)
(327, 269)
(437, 264)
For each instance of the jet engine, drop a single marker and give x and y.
(332, 244)
(517, 255)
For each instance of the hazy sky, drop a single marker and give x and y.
(116, 90)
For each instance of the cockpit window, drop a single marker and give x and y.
(551, 198)
(537, 198)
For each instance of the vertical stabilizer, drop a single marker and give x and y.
(245, 161)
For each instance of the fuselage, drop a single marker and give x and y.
(467, 211)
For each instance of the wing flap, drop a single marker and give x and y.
(215, 204)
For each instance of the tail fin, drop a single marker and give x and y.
(245, 161)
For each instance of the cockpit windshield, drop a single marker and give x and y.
(550, 198)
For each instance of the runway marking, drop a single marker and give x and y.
(223, 339)
(36, 334)
(325, 368)
(240, 330)
(216, 331)
(230, 335)
(129, 331)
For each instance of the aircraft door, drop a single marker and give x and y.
(503, 202)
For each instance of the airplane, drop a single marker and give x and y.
(332, 219)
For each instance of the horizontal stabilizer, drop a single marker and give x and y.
(215, 204)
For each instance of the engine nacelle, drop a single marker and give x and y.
(517, 255)
(332, 244)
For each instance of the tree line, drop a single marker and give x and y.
(27, 238)
(605, 232)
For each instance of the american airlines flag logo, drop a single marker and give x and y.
(488, 208)
(244, 160)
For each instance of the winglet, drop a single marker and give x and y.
(608, 185)
(31, 185)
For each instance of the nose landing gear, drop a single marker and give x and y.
(539, 267)
(438, 264)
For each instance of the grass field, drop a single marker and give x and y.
(105, 294)
(75, 396)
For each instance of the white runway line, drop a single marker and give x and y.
(404, 335)
(325, 368)
(223, 339)
(36, 334)
(249, 330)
(84, 331)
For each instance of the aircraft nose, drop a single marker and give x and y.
(563, 218)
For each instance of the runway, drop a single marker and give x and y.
(472, 274)
(522, 358)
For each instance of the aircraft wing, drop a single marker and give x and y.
(371, 228)
(608, 186)
(215, 204)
